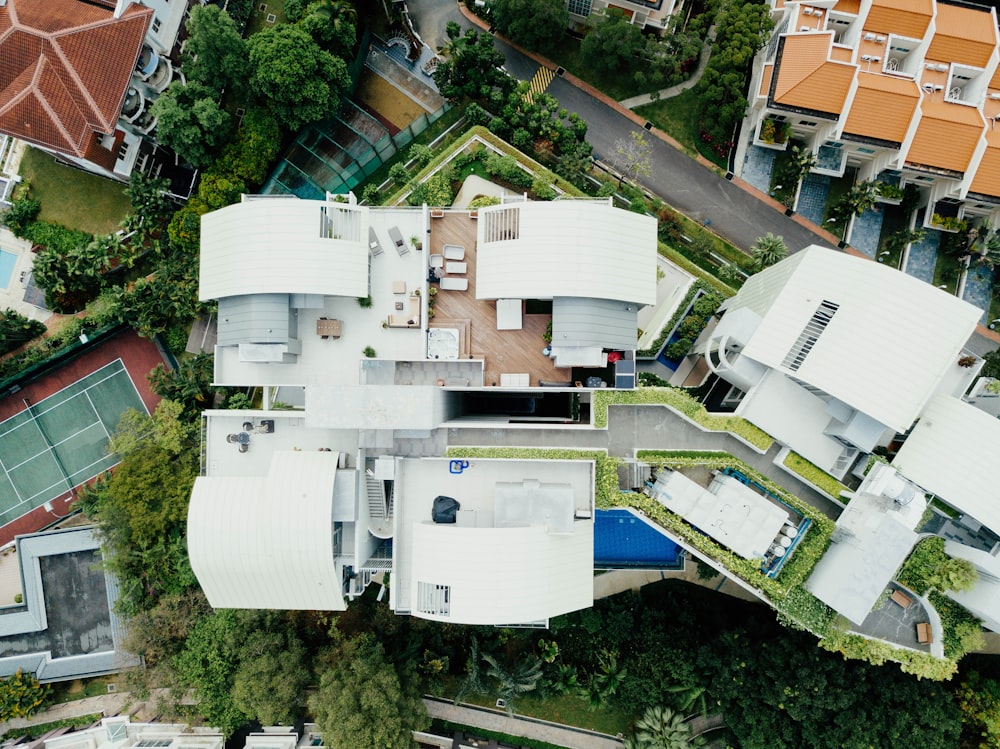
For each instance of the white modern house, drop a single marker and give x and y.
(371, 331)
(833, 355)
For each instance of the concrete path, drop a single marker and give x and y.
(519, 725)
(106, 705)
(668, 93)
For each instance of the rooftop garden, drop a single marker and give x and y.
(680, 401)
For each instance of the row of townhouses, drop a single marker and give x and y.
(907, 92)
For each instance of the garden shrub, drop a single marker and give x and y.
(476, 115)
(963, 631)
(21, 695)
(678, 349)
(21, 213)
(16, 330)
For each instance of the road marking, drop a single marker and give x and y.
(541, 80)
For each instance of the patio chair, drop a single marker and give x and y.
(244, 447)
(437, 261)
(373, 244)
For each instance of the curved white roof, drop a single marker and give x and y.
(886, 349)
(951, 452)
(267, 543)
(503, 575)
(575, 248)
(274, 246)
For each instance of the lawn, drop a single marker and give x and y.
(678, 117)
(74, 198)
(616, 85)
(258, 20)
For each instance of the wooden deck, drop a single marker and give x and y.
(503, 351)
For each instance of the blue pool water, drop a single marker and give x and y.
(623, 539)
(7, 262)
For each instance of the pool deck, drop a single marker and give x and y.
(618, 581)
(12, 297)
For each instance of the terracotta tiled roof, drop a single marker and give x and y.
(807, 79)
(946, 136)
(64, 69)
(883, 107)
(765, 78)
(909, 18)
(963, 35)
(987, 179)
(848, 6)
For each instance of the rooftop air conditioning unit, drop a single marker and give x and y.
(869, 37)
(995, 96)
(866, 58)
(880, 40)
(804, 28)
(876, 59)
(940, 67)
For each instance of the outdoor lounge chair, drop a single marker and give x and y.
(437, 261)
(373, 244)
(454, 284)
(454, 252)
(397, 239)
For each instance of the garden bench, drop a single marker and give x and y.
(900, 598)
(924, 635)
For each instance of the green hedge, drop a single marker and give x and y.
(815, 475)
(605, 467)
(503, 738)
(682, 402)
(679, 259)
(681, 310)
(879, 652)
(40, 729)
(963, 631)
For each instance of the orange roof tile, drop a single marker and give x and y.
(987, 179)
(883, 107)
(963, 35)
(946, 136)
(847, 6)
(995, 80)
(65, 66)
(842, 54)
(765, 78)
(806, 79)
(909, 18)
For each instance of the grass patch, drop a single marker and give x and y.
(74, 198)
(682, 402)
(678, 117)
(33, 732)
(814, 475)
(258, 19)
(78, 689)
(569, 709)
(683, 261)
(616, 85)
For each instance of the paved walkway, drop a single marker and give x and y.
(519, 725)
(668, 93)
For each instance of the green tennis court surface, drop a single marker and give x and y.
(62, 441)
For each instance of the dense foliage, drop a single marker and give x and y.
(21, 695)
(473, 69)
(537, 24)
(742, 28)
(16, 330)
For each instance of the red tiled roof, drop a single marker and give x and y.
(64, 69)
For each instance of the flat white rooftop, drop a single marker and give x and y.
(521, 551)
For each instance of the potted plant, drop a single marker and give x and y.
(889, 193)
(417, 244)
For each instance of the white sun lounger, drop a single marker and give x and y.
(454, 252)
(448, 283)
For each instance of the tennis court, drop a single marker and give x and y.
(62, 441)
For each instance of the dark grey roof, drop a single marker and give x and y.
(255, 318)
(608, 323)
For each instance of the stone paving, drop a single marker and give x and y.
(922, 257)
(866, 231)
(758, 167)
(979, 289)
(812, 197)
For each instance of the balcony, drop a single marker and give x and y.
(773, 133)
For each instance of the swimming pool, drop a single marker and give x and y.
(7, 262)
(625, 540)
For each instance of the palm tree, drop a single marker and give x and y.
(604, 684)
(688, 697)
(768, 250)
(509, 684)
(860, 198)
(990, 256)
(662, 728)
(473, 682)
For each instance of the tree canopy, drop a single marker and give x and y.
(614, 43)
(191, 122)
(295, 78)
(535, 24)
(361, 700)
(215, 54)
(473, 70)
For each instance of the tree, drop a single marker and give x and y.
(768, 250)
(474, 71)
(16, 329)
(215, 54)
(535, 24)
(435, 191)
(800, 161)
(148, 196)
(191, 122)
(860, 198)
(295, 78)
(279, 661)
(632, 156)
(333, 24)
(662, 728)
(510, 683)
(165, 429)
(614, 44)
(991, 365)
(190, 384)
(954, 574)
(979, 700)
(22, 212)
(362, 701)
